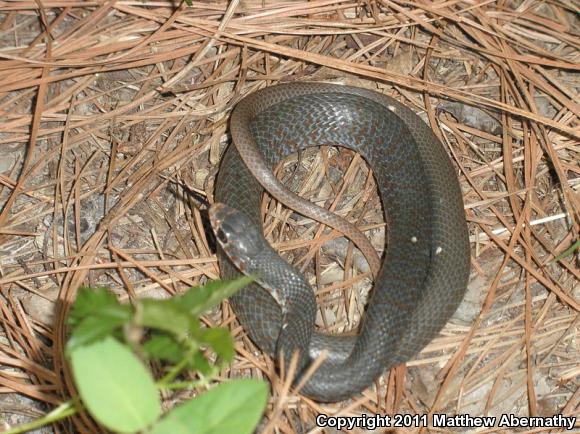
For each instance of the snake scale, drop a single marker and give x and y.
(423, 275)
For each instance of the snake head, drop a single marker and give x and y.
(239, 237)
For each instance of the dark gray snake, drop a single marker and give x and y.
(425, 268)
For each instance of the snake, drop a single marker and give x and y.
(422, 277)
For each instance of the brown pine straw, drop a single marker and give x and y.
(113, 119)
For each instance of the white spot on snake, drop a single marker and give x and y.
(438, 250)
(414, 240)
(392, 108)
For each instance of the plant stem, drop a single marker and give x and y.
(172, 373)
(192, 347)
(186, 384)
(64, 410)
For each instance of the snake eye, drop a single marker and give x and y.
(222, 236)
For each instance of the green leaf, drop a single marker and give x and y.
(199, 363)
(98, 326)
(114, 386)
(568, 252)
(234, 407)
(164, 315)
(221, 341)
(96, 314)
(200, 299)
(89, 301)
(163, 347)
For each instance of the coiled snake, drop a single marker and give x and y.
(424, 272)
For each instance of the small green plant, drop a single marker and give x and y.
(568, 252)
(111, 342)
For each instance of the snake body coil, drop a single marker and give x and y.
(425, 267)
